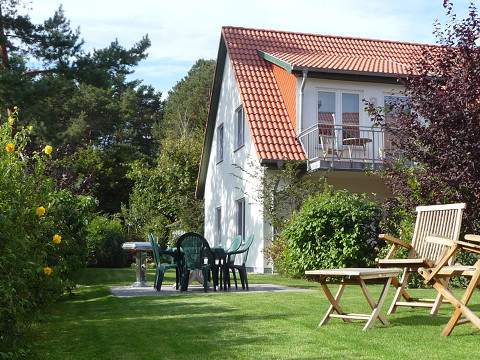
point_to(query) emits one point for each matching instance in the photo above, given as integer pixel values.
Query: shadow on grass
(183, 326)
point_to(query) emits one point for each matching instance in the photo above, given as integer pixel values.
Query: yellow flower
(11, 120)
(48, 149)
(57, 239)
(40, 211)
(10, 148)
(47, 270)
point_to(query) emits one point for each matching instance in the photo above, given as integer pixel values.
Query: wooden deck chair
(440, 220)
(439, 275)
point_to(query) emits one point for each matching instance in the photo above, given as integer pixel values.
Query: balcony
(347, 147)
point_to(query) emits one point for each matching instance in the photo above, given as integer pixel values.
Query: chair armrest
(236, 252)
(472, 238)
(392, 239)
(436, 239)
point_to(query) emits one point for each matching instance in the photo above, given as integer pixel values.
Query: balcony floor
(352, 165)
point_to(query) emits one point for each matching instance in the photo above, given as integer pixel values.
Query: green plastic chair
(242, 269)
(234, 246)
(194, 254)
(160, 268)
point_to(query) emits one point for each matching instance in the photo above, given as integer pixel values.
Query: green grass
(95, 325)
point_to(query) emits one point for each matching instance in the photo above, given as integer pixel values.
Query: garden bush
(105, 237)
(42, 233)
(332, 229)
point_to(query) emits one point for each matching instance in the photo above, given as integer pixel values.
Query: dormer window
(239, 128)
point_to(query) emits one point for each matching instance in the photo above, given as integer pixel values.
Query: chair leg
(246, 279)
(398, 293)
(177, 278)
(156, 278)
(184, 280)
(438, 301)
(206, 275)
(161, 274)
(235, 278)
(242, 277)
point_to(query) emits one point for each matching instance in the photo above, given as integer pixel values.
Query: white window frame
(338, 103)
(218, 226)
(240, 218)
(239, 127)
(220, 143)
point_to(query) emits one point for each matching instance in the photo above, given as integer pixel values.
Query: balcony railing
(345, 146)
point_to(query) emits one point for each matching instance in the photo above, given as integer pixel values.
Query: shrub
(332, 229)
(105, 237)
(41, 233)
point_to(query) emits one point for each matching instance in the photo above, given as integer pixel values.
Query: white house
(291, 96)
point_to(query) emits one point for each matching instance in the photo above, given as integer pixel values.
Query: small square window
(239, 128)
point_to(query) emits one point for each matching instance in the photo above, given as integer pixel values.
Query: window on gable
(218, 226)
(240, 218)
(220, 143)
(239, 128)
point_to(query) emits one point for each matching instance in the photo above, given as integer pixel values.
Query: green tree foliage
(105, 237)
(333, 229)
(186, 109)
(77, 99)
(163, 197)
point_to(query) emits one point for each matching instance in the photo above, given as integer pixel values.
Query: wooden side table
(355, 276)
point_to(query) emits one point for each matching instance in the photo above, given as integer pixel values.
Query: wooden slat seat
(440, 223)
(411, 263)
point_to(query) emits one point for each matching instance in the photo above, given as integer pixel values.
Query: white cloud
(182, 31)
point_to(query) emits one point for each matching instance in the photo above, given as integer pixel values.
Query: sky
(182, 31)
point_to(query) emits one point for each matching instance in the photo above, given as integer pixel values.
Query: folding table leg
(372, 302)
(334, 303)
(376, 310)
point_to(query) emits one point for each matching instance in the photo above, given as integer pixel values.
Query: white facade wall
(226, 182)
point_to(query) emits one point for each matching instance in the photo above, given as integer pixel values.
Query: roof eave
(212, 116)
(300, 69)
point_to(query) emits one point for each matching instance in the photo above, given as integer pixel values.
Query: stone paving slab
(169, 290)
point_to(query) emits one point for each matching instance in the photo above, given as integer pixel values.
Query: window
(240, 215)
(350, 115)
(218, 226)
(347, 115)
(220, 143)
(326, 112)
(239, 128)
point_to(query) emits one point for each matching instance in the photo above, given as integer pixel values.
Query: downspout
(300, 106)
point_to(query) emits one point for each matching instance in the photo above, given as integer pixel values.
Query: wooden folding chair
(440, 220)
(439, 275)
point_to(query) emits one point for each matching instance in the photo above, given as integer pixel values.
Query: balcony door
(339, 113)
(350, 115)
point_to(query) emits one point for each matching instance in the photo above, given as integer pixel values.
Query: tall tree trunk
(3, 42)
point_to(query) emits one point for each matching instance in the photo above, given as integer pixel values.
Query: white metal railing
(346, 143)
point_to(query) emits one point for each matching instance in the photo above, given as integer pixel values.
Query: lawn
(95, 325)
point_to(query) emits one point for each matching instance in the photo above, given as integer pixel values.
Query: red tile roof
(272, 131)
